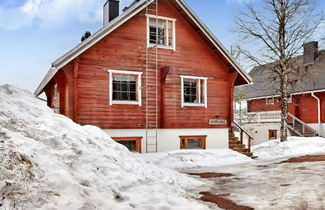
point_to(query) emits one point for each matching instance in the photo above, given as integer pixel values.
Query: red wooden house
(306, 102)
(154, 78)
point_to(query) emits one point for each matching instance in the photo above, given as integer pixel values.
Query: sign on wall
(217, 122)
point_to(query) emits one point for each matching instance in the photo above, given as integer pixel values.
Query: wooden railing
(261, 117)
(300, 127)
(242, 133)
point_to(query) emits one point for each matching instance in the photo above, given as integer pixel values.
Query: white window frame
(205, 79)
(149, 45)
(267, 102)
(139, 94)
(290, 99)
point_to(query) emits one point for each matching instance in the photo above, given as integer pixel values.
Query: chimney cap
(111, 11)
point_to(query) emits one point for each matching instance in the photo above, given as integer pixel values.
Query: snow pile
(295, 146)
(183, 159)
(49, 162)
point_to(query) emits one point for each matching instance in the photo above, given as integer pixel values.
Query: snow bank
(49, 162)
(295, 146)
(197, 158)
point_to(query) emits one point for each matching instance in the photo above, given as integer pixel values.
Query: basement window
(193, 142)
(194, 91)
(273, 134)
(125, 87)
(161, 32)
(132, 143)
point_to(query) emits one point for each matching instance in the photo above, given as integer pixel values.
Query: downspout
(319, 113)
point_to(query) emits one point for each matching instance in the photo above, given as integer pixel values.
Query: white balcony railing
(260, 117)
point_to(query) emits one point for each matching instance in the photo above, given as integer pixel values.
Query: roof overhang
(292, 94)
(132, 11)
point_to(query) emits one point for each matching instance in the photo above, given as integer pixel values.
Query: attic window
(161, 32)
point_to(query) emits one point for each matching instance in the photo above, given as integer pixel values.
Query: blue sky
(34, 33)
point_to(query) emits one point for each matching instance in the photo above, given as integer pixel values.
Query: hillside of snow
(49, 162)
(294, 146)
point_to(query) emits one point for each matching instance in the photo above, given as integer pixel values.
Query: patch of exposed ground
(211, 175)
(307, 158)
(222, 202)
(285, 185)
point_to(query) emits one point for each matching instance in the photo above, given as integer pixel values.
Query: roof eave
(83, 46)
(214, 40)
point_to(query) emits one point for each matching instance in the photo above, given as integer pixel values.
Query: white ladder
(152, 73)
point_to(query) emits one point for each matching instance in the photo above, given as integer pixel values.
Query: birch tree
(275, 33)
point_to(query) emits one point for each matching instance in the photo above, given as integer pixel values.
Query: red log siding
(304, 106)
(124, 49)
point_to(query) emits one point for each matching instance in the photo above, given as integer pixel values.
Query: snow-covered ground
(266, 183)
(183, 160)
(49, 162)
(295, 146)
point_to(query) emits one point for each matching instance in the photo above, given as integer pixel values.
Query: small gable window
(161, 32)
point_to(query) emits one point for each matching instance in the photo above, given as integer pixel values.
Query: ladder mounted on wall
(151, 83)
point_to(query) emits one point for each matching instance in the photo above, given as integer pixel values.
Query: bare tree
(274, 34)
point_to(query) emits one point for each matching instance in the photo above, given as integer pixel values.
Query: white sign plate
(217, 122)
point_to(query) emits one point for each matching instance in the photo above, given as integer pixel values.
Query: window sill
(162, 47)
(194, 105)
(126, 103)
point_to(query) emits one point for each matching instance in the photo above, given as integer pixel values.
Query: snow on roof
(135, 8)
(49, 162)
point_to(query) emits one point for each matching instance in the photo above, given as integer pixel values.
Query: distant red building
(306, 102)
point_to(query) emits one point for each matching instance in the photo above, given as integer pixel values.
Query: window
(125, 87)
(194, 91)
(290, 99)
(273, 134)
(270, 101)
(132, 143)
(193, 142)
(161, 32)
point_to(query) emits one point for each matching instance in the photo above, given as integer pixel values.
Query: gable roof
(313, 81)
(135, 8)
